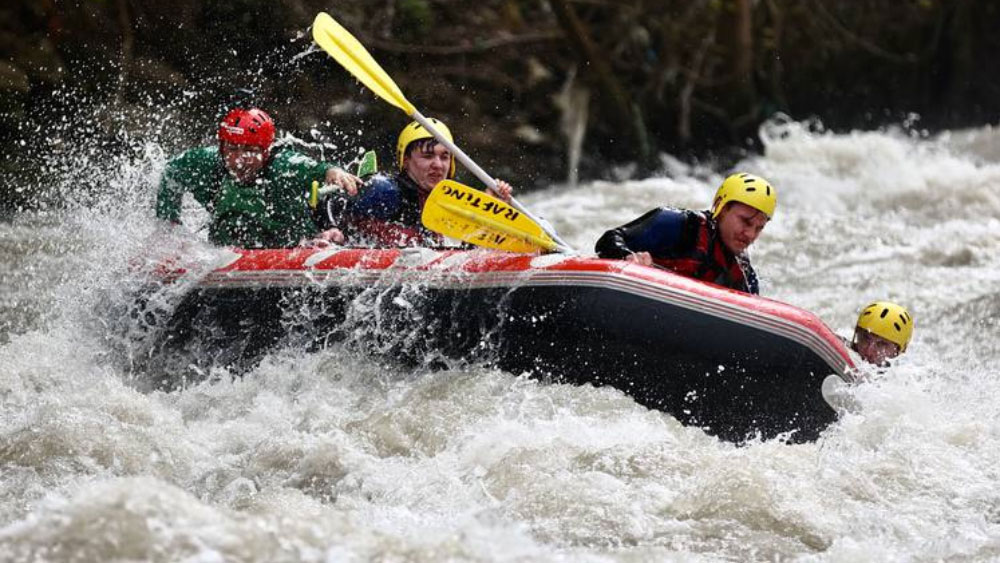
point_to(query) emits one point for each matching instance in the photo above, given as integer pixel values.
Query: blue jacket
(386, 212)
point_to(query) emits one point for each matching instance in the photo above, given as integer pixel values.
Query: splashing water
(333, 455)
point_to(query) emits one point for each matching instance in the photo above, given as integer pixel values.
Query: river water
(331, 456)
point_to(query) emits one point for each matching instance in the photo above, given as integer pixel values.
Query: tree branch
(865, 44)
(477, 46)
(615, 97)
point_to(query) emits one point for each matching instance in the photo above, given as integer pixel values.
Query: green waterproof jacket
(272, 212)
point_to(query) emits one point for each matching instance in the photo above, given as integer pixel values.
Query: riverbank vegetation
(537, 90)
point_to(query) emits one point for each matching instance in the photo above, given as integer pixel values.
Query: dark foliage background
(518, 80)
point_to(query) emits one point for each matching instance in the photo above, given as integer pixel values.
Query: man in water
(882, 332)
(387, 211)
(706, 245)
(257, 196)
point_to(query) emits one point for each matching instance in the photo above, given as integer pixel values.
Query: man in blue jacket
(387, 210)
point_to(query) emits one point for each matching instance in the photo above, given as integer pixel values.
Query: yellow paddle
(351, 54)
(458, 211)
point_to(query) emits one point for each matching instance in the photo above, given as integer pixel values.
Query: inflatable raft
(734, 364)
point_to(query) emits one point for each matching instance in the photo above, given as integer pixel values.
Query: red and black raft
(737, 365)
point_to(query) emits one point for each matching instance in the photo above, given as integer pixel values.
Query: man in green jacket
(257, 198)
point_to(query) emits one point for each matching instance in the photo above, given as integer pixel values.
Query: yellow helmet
(414, 132)
(888, 320)
(746, 188)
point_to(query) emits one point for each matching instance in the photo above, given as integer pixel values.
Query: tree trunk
(128, 42)
(736, 31)
(614, 96)
(961, 37)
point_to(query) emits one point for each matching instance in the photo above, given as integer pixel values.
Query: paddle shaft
(482, 175)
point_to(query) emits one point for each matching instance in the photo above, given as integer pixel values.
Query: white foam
(330, 454)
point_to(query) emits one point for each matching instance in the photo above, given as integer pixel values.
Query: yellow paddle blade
(351, 55)
(458, 211)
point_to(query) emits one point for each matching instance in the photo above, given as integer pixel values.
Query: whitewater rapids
(331, 456)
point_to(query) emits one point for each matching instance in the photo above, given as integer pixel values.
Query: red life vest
(707, 259)
(388, 235)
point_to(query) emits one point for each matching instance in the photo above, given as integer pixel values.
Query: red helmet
(247, 127)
